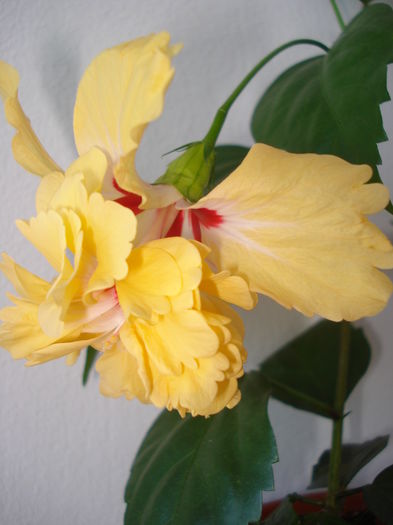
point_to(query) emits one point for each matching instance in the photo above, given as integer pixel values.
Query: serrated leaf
(331, 103)
(303, 372)
(198, 470)
(353, 458)
(91, 356)
(228, 158)
(379, 496)
(283, 515)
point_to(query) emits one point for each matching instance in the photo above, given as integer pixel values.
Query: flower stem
(341, 390)
(336, 10)
(219, 119)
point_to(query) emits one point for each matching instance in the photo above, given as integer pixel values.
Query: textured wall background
(65, 452)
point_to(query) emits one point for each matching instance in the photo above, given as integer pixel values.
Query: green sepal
(190, 173)
(354, 456)
(303, 373)
(205, 470)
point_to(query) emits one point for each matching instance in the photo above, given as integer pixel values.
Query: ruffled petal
(27, 284)
(294, 227)
(119, 374)
(111, 231)
(231, 288)
(153, 276)
(122, 91)
(27, 149)
(47, 233)
(83, 177)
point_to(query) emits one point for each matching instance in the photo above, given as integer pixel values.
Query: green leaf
(379, 496)
(303, 372)
(330, 104)
(91, 356)
(198, 471)
(228, 158)
(354, 458)
(283, 515)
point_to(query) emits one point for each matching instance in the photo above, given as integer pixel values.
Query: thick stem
(219, 119)
(341, 390)
(339, 17)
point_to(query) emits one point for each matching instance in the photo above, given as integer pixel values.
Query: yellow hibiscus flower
(156, 311)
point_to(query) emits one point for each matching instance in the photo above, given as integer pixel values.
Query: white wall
(65, 451)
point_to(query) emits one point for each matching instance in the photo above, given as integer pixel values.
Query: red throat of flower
(128, 200)
(198, 218)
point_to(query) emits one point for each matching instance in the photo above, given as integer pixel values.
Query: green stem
(341, 390)
(336, 10)
(222, 112)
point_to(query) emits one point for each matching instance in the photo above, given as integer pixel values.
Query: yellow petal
(111, 230)
(187, 256)
(93, 165)
(118, 371)
(22, 336)
(25, 283)
(83, 177)
(47, 233)
(153, 276)
(48, 187)
(121, 91)
(231, 288)
(71, 193)
(294, 227)
(178, 338)
(26, 147)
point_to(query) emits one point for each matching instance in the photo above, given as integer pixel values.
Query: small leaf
(354, 458)
(198, 470)
(303, 373)
(283, 515)
(330, 104)
(379, 496)
(91, 356)
(228, 158)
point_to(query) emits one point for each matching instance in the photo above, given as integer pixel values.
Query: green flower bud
(190, 173)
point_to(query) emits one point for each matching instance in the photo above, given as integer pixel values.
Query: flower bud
(190, 173)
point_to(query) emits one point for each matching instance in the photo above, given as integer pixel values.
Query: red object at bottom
(353, 503)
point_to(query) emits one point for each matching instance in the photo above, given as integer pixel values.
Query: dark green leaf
(198, 471)
(354, 458)
(330, 104)
(303, 373)
(91, 356)
(283, 515)
(379, 496)
(228, 158)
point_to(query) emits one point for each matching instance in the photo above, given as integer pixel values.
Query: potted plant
(146, 273)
